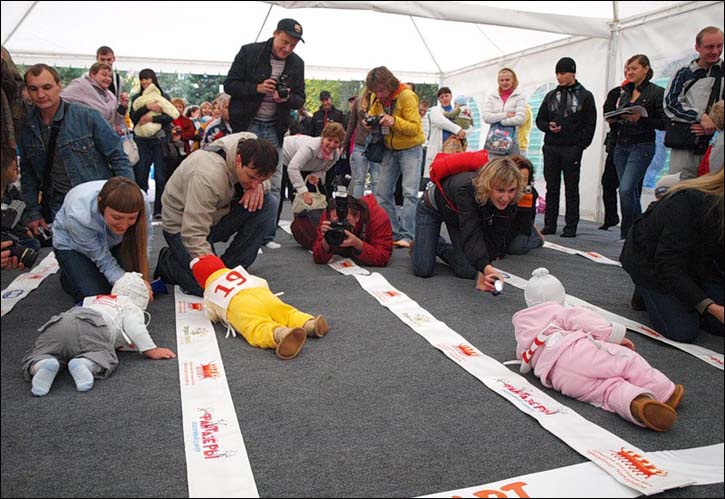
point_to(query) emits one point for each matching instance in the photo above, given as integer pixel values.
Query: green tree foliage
(195, 89)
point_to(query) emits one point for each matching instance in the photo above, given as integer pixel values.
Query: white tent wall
(419, 41)
(667, 38)
(536, 70)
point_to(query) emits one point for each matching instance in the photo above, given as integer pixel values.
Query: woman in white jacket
(440, 126)
(505, 108)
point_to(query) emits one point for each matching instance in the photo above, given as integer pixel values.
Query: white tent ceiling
(419, 41)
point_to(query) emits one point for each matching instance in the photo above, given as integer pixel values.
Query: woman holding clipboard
(636, 134)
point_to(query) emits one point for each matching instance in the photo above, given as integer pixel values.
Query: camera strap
(49, 157)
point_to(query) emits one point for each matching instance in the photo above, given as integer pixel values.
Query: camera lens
(335, 236)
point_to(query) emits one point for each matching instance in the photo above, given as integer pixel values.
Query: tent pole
(22, 19)
(269, 11)
(440, 71)
(610, 77)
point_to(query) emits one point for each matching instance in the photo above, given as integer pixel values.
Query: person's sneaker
(317, 327)
(568, 233)
(157, 216)
(676, 397)
(273, 245)
(289, 342)
(653, 414)
(637, 303)
(401, 244)
(548, 230)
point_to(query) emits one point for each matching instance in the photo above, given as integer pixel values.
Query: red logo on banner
(651, 332)
(516, 487)
(467, 350)
(638, 464)
(207, 371)
(209, 435)
(528, 399)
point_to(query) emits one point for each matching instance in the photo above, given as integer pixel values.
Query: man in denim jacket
(86, 148)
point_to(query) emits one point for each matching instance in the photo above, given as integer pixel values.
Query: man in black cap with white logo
(567, 116)
(266, 81)
(326, 114)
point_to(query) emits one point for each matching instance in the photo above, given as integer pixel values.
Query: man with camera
(266, 81)
(354, 228)
(402, 130)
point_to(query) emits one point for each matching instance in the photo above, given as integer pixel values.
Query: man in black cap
(266, 81)
(567, 116)
(326, 114)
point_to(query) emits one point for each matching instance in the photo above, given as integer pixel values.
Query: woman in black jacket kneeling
(675, 256)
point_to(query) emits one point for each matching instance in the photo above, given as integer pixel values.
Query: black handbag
(375, 149)
(679, 136)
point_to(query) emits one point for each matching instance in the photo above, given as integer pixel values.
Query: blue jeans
(267, 130)
(522, 244)
(408, 164)
(429, 244)
(79, 275)
(248, 229)
(359, 168)
(631, 162)
(151, 150)
(671, 318)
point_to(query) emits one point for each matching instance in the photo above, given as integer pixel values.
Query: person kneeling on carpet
(244, 303)
(86, 337)
(582, 355)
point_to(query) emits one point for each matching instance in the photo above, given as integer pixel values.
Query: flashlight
(497, 286)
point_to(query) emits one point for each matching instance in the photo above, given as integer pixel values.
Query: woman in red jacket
(370, 242)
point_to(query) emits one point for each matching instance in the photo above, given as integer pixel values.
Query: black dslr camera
(336, 235)
(373, 121)
(10, 217)
(282, 88)
(26, 256)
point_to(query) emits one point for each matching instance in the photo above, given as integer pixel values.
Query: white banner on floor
(27, 282)
(217, 464)
(626, 463)
(591, 255)
(713, 358)
(704, 465)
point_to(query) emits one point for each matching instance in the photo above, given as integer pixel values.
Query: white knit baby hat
(132, 284)
(544, 287)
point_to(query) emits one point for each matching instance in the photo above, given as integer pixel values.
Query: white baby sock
(44, 372)
(82, 370)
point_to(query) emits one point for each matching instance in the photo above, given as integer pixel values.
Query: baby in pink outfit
(584, 356)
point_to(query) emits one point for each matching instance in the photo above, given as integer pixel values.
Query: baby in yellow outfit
(245, 303)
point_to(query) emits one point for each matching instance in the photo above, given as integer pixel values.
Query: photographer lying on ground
(354, 228)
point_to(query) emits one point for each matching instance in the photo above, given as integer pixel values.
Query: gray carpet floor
(371, 410)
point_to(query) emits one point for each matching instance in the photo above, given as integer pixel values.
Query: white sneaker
(273, 245)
